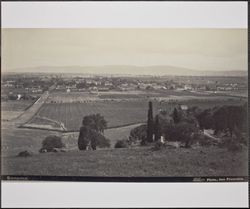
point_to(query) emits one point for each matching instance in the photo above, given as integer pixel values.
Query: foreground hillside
(139, 161)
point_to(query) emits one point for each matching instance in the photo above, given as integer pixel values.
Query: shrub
(202, 139)
(158, 146)
(122, 144)
(231, 144)
(51, 142)
(24, 154)
(205, 141)
(239, 136)
(234, 146)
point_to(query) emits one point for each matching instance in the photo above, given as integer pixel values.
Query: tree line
(188, 125)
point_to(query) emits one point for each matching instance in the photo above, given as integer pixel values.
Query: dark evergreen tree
(150, 123)
(176, 116)
(157, 130)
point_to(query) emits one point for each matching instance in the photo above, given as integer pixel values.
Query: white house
(184, 107)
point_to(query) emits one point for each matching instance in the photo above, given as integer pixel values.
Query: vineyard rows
(116, 113)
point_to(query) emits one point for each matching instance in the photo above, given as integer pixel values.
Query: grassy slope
(116, 134)
(15, 140)
(140, 161)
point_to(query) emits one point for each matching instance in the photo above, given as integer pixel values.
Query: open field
(81, 97)
(141, 161)
(16, 105)
(63, 97)
(13, 109)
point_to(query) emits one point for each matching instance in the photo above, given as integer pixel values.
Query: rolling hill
(123, 69)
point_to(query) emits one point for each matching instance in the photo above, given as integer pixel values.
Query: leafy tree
(205, 119)
(194, 110)
(139, 133)
(98, 140)
(95, 122)
(164, 119)
(91, 132)
(150, 123)
(228, 118)
(90, 137)
(183, 132)
(157, 130)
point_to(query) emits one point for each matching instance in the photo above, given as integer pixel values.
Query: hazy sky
(198, 49)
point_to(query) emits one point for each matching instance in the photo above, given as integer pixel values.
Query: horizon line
(123, 65)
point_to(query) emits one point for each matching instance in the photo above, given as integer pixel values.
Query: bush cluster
(50, 143)
(122, 144)
(231, 144)
(158, 146)
(24, 154)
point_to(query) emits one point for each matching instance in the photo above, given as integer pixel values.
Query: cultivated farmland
(67, 114)
(116, 113)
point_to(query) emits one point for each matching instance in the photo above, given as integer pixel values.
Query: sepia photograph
(124, 102)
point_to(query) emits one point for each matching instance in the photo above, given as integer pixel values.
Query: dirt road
(28, 114)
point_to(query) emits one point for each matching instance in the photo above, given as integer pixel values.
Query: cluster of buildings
(119, 84)
(22, 88)
(211, 87)
(20, 85)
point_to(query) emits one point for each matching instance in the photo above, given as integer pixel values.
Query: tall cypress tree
(157, 128)
(150, 123)
(176, 117)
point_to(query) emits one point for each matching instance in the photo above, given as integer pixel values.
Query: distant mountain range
(127, 70)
